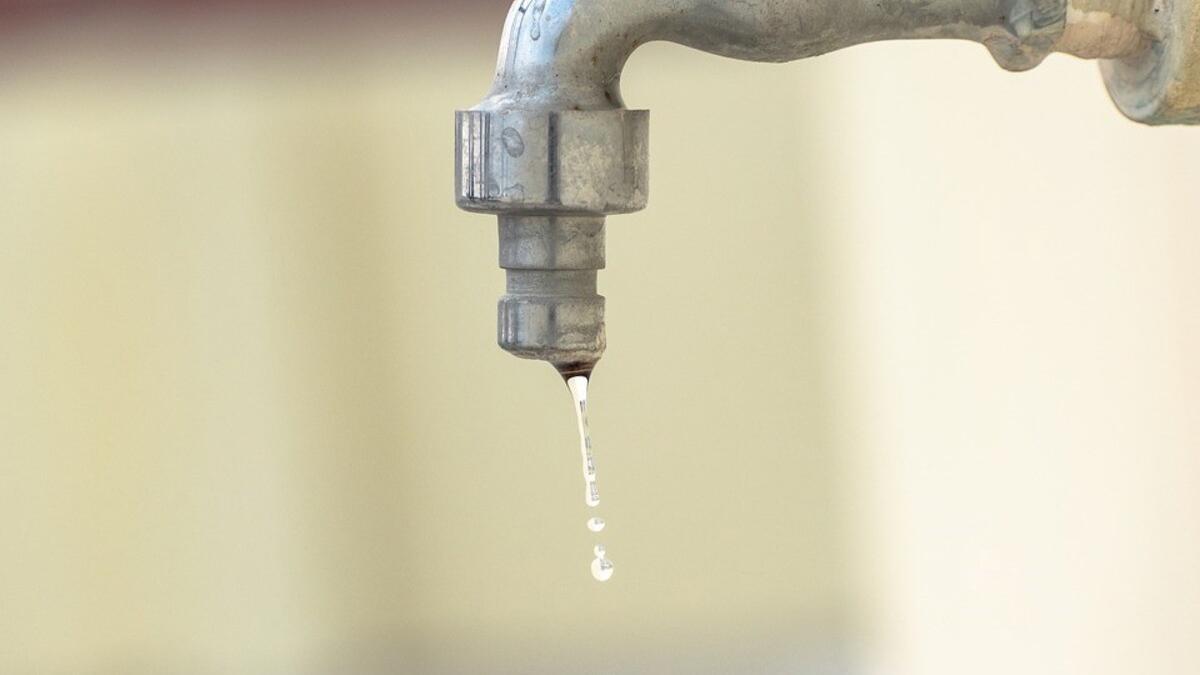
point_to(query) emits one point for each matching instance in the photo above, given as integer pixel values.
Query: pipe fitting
(551, 311)
(552, 177)
(560, 162)
(1159, 84)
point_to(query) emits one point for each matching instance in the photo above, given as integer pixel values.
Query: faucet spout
(552, 311)
(569, 54)
(553, 151)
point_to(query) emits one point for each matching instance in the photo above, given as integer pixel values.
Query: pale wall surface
(1020, 367)
(929, 405)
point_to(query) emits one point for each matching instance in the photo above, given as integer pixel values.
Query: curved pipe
(569, 54)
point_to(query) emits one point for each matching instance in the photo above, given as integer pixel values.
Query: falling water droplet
(595, 524)
(602, 569)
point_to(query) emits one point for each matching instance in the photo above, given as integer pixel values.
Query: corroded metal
(1160, 84)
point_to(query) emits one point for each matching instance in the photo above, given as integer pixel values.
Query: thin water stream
(602, 567)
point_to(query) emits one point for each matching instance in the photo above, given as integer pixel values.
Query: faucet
(552, 150)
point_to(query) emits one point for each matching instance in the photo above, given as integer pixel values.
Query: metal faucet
(553, 151)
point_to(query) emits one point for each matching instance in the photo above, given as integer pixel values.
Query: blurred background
(931, 403)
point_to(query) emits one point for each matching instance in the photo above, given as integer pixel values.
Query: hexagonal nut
(560, 162)
(557, 329)
(1161, 85)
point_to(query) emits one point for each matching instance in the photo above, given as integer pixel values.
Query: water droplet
(600, 551)
(602, 569)
(595, 524)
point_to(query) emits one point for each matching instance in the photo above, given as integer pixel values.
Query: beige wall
(917, 396)
(1020, 381)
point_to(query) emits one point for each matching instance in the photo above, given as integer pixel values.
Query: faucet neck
(551, 310)
(569, 54)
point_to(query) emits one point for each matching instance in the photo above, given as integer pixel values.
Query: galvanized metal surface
(553, 151)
